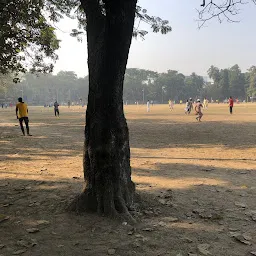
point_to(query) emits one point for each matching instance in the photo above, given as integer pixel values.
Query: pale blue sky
(185, 49)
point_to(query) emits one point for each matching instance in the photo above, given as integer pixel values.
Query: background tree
(236, 82)
(224, 83)
(214, 74)
(193, 86)
(251, 90)
(138, 85)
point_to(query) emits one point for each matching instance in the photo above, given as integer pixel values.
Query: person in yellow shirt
(22, 115)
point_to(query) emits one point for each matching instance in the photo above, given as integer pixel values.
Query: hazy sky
(185, 49)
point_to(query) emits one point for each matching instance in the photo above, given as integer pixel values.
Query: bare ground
(197, 183)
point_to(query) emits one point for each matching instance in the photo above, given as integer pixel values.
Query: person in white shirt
(148, 106)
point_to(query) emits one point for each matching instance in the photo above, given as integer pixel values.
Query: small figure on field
(56, 108)
(190, 105)
(187, 107)
(198, 109)
(148, 106)
(22, 115)
(205, 103)
(231, 104)
(69, 104)
(171, 104)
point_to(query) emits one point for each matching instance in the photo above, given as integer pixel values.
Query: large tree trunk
(109, 189)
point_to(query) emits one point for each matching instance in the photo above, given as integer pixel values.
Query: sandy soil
(197, 182)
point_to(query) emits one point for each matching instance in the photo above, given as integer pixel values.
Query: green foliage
(27, 37)
(44, 89)
(156, 24)
(40, 89)
(236, 81)
(227, 82)
(251, 76)
(214, 74)
(160, 87)
(6, 82)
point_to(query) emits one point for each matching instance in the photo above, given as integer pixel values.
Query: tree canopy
(28, 33)
(139, 85)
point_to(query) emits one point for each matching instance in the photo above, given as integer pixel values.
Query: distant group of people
(199, 106)
(22, 110)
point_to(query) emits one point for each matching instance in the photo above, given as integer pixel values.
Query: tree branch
(224, 11)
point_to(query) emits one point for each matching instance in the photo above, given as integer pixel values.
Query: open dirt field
(197, 182)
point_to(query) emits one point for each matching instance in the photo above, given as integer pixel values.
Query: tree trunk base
(111, 206)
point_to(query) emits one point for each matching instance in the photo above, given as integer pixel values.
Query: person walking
(56, 108)
(190, 105)
(187, 107)
(148, 106)
(170, 104)
(22, 115)
(231, 105)
(198, 109)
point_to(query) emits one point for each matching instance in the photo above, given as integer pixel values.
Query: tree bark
(109, 189)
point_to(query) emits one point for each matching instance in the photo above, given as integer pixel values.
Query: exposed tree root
(106, 204)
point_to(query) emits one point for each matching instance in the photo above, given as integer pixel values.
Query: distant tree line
(140, 85)
(231, 81)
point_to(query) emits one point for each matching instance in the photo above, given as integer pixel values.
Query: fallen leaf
(235, 233)
(111, 251)
(204, 249)
(146, 212)
(208, 169)
(42, 222)
(188, 240)
(162, 224)
(240, 238)
(19, 252)
(166, 194)
(32, 230)
(233, 229)
(162, 201)
(198, 211)
(171, 219)
(3, 218)
(247, 237)
(240, 205)
(23, 243)
(253, 253)
(2, 246)
(148, 229)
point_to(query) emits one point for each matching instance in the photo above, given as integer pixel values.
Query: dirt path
(197, 182)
